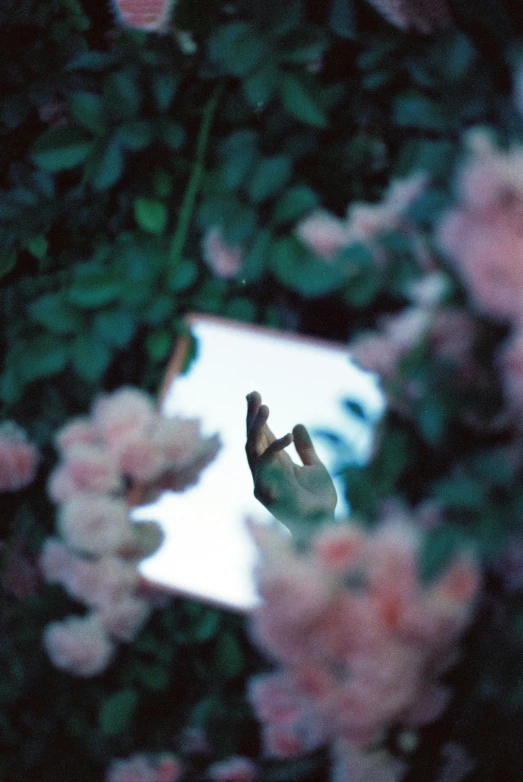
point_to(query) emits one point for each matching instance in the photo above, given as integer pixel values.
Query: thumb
(304, 446)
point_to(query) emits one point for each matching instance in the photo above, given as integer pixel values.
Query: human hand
(290, 491)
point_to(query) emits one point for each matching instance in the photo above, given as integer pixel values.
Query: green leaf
(87, 110)
(151, 215)
(171, 133)
(60, 148)
(8, 262)
(164, 86)
(117, 711)
(183, 276)
(239, 223)
(53, 311)
(299, 102)
(135, 134)
(237, 47)
(294, 203)
(460, 493)
(294, 266)
(269, 176)
(158, 345)
(229, 656)
(115, 328)
(414, 110)
(302, 46)
(94, 287)
(43, 356)
(257, 256)
(105, 165)
(154, 677)
(122, 97)
(90, 357)
(38, 246)
(260, 86)
(342, 20)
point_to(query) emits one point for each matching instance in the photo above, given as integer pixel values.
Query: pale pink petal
(79, 645)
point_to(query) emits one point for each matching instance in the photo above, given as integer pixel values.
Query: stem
(189, 198)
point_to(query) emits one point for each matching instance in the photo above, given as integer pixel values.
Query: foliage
(120, 151)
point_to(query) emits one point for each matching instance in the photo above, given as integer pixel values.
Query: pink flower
(55, 560)
(100, 582)
(180, 476)
(124, 619)
(234, 769)
(79, 431)
(324, 234)
(453, 334)
(425, 16)
(96, 524)
(145, 768)
(352, 764)
(150, 15)
(79, 645)
(123, 414)
(339, 546)
(223, 259)
(18, 458)
(148, 536)
(141, 459)
(87, 468)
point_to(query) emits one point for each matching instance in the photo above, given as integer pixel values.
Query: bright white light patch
(207, 552)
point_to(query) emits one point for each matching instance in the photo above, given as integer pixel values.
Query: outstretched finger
(259, 436)
(253, 405)
(304, 446)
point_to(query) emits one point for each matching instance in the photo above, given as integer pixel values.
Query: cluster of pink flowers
(145, 768)
(483, 235)
(124, 442)
(18, 458)
(425, 16)
(326, 235)
(360, 641)
(150, 15)
(223, 259)
(381, 351)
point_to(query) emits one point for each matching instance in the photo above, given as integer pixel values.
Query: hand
(291, 492)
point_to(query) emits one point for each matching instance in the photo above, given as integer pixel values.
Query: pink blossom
(18, 458)
(224, 260)
(79, 645)
(78, 431)
(366, 221)
(100, 582)
(124, 619)
(86, 468)
(150, 15)
(55, 560)
(180, 476)
(97, 524)
(453, 334)
(123, 414)
(339, 546)
(323, 233)
(141, 459)
(236, 769)
(145, 768)
(425, 16)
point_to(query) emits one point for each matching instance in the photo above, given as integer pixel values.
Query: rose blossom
(18, 458)
(79, 645)
(323, 233)
(55, 560)
(97, 524)
(223, 259)
(145, 768)
(125, 618)
(86, 468)
(123, 414)
(234, 769)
